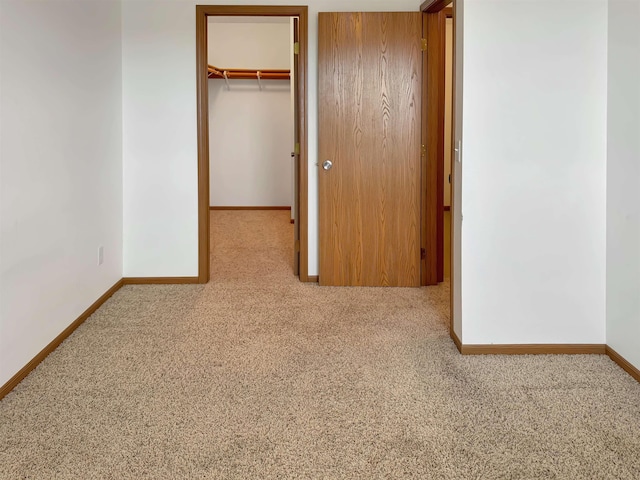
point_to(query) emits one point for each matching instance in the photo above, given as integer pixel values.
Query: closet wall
(250, 129)
(623, 180)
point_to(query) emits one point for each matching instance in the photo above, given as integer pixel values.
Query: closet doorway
(250, 177)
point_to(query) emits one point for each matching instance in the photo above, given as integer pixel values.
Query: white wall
(249, 42)
(534, 171)
(160, 148)
(456, 167)
(250, 129)
(160, 197)
(623, 180)
(61, 168)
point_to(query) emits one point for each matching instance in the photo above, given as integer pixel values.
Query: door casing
(202, 12)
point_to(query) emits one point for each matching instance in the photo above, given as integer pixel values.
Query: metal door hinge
(296, 48)
(423, 254)
(296, 149)
(424, 45)
(423, 149)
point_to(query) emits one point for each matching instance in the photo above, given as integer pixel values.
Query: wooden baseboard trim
(249, 208)
(623, 363)
(159, 280)
(534, 349)
(456, 340)
(310, 279)
(35, 361)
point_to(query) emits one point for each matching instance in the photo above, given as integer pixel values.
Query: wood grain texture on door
(369, 81)
(433, 99)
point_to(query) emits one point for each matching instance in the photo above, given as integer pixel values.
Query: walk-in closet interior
(250, 111)
(251, 123)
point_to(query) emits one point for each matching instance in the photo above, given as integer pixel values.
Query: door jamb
(202, 12)
(436, 8)
(433, 104)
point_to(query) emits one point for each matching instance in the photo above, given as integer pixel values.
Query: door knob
(327, 164)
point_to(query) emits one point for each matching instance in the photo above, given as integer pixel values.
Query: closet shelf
(235, 73)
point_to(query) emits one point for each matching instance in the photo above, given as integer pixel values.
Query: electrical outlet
(100, 255)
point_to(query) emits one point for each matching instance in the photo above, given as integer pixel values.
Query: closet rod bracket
(226, 79)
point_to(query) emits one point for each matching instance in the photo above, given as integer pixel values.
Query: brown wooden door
(369, 80)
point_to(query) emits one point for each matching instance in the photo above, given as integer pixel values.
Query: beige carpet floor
(257, 376)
